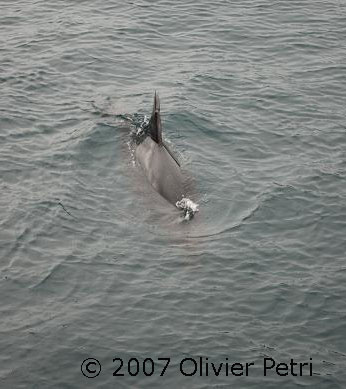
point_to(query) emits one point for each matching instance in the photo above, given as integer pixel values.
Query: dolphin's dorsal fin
(155, 121)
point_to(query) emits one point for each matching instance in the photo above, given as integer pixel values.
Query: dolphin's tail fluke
(155, 121)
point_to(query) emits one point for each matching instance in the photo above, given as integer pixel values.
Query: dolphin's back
(162, 167)
(162, 170)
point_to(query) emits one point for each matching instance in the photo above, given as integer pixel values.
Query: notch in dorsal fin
(155, 121)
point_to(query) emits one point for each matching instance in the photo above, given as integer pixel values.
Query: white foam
(188, 206)
(141, 128)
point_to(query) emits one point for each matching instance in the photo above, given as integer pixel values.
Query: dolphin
(158, 162)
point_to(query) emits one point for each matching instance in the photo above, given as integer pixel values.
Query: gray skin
(158, 162)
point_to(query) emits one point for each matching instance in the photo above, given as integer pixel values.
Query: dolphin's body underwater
(158, 162)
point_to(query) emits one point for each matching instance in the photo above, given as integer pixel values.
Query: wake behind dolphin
(161, 166)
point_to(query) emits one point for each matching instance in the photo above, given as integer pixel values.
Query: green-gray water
(94, 264)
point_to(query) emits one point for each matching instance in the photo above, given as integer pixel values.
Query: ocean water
(94, 264)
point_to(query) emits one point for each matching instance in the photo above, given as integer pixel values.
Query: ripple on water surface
(95, 264)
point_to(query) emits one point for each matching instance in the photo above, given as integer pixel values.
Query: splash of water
(137, 134)
(188, 206)
(140, 130)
